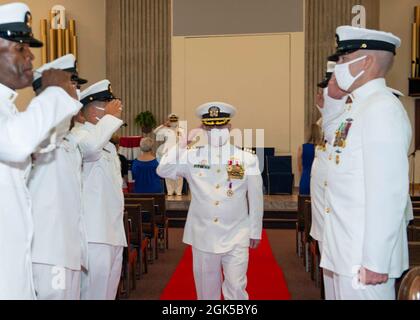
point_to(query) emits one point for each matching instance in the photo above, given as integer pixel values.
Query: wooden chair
(415, 222)
(413, 233)
(139, 242)
(307, 216)
(416, 212)
(416, 204)
(414, 254)
(150, 229)
(162, 220)
(410, 286)
(300, 225)
(128, 274)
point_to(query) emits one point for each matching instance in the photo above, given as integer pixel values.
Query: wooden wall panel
(322, 17)
(139, 57)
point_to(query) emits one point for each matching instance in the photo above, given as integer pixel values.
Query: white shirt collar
(369, 88)
(8, 94)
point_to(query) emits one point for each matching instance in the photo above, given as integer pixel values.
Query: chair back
(136, 223)
(410, 286)
(301, 213)
(414, 253)
(279, 164)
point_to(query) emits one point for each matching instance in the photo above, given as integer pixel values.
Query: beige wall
(278, 106)
(221, 17)
(262, 75)
(90, 25)
(396, 17)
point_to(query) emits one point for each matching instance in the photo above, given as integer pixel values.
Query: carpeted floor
(282, 242)
(265, 278)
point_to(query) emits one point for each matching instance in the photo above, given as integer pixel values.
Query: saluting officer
(170, 133)
(365, 225)
(20, 135)
(55, 183)
(225, 216)
(103, 199)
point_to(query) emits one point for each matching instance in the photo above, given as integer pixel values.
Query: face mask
(344, 77)
(78, 94)
(328, 101)
(219, 137)
(174, 124)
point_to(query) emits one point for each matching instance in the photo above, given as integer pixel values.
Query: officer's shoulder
(249, 154)
(384, 104)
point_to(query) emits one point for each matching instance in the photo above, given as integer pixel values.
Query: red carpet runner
(265, 278)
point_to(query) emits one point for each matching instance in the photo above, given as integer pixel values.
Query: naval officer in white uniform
(20, 135)
(103, 199)
(365, 226)
(331, 103)
(55, 185)
(226, 211)
(170, 133)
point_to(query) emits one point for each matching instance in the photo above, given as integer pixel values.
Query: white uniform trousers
(328, 280)
(210, 269)
(174, 186)
(101, 281)
(56, 283)
(346, 288)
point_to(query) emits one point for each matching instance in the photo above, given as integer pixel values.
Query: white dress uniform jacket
(56, 189)
(20, 135)
(217, 223)
(331, 116)
(103, 198)
(368, 182)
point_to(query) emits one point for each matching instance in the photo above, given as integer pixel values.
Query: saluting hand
(334, 90)
(320, 99)
(114, 108)
(59, 78)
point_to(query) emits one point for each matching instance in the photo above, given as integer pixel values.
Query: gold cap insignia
(28, 20)
(214, 112)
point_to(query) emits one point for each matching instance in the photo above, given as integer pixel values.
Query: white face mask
(343, 75)
(219, 137)
(174, 124)
(328, 101)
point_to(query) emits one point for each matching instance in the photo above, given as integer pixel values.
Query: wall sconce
(58, 36)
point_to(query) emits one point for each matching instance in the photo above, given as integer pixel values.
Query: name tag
(201, 166)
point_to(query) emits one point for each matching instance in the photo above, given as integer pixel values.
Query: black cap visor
(21, 33)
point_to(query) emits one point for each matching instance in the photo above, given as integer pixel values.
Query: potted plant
(146, 121)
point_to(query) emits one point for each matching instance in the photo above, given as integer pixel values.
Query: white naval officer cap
(100, 91)
(330, 70)
(173, 117)
(215, 113)
(16, 24)
(351, 39)
(66, 63)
